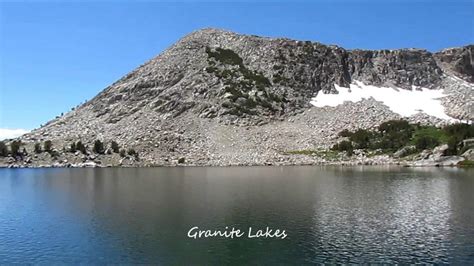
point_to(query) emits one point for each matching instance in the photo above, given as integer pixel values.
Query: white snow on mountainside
(401, 101)
(7, 133)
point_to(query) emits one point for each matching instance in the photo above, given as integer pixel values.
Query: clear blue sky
(56, 55)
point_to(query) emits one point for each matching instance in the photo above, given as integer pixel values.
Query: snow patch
(7, 133)
(401, 101)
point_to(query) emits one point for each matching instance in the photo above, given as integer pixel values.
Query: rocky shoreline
(427, 158)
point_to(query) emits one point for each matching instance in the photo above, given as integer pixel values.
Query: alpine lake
(237, 215)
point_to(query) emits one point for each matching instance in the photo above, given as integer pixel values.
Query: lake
(329, 214)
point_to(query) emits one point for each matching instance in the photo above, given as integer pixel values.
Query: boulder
(11, 160)
(439, 151)
(425, 154)
(468, 143)
(404, 151)
(442, 161)
(469, 154)
(88, 164)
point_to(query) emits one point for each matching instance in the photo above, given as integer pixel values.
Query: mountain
(219, 98)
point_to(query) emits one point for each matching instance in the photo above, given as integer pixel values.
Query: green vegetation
(326, 154)
(239, 81)
(98, 147)
(396, 134)
(14, 150)
(226, 56)
(428, 137)
(38, 148)
(133, 153)
(361, 139)
(426, 142)
(466, 163)
(15, 147)
(345, 133)
(73, 147)
(115, 147)
(344, 145)
(456, 133)
(47, 146)
(80, 147)
(392, 135)
(302, 152)
(3, 149)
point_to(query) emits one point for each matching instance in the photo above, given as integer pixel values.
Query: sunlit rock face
(219, 96)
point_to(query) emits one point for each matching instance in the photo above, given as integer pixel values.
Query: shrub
(466, 163)
(259, 79)
(394, 135)
(37, 148)
(115, 147)
(54, 154)
(460, 131)
(225, 56)
(426, 142)
(456, 133)
(15, 147)
(345, 133)
(344, 146)
(395, 126)
(47, 146)
(431, 131)
(361, 138)
(73, 147)
(122, 153)
(80, 147)
(452, 146)
(131, 152)
(98, 147)
(3, 149)
(428, 137)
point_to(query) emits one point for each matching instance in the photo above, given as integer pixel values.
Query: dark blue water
(347, 215)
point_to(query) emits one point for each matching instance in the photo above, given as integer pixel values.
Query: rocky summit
(221, 98)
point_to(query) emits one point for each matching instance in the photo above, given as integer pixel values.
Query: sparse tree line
(396, 134)
(16, 148)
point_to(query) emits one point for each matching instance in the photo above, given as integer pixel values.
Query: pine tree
(115, 147)
(81, 147)
(47, 146)
(3, 149)
(98, 147)
(73, 147)
(38, 148)
(15, 147)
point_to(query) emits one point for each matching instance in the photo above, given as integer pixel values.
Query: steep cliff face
(402, 68)
(458, 61)
(213, 78)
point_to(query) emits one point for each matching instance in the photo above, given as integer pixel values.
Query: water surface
(142, 215)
